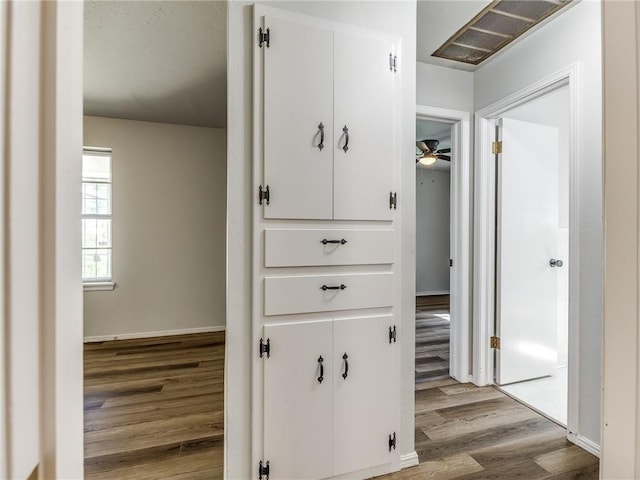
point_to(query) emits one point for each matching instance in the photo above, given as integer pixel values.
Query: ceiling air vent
(499, 24)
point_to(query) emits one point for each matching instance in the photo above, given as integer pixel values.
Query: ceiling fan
(429, 152)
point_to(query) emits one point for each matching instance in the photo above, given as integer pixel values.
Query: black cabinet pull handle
(321, 377)
(346, 366)
(324, 241)
(345, 130)
(337, 287)
(321, 144)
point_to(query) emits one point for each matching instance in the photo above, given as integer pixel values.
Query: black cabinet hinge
(451, 262)
(263, 195)
(265, 347)
(392, 334)
(263, 470)
(393, 200)
(392, 441)
(393, 63)
(264, 37)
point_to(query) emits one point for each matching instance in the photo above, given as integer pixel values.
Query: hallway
(466, 432)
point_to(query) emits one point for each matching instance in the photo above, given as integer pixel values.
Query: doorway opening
(433, 251)
(446, 296)
(532, 251)
(153, 217)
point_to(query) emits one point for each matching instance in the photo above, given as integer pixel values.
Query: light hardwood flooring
(154, 408)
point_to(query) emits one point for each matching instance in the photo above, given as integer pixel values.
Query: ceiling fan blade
(444, 150)
(423, 146)
(444, 157)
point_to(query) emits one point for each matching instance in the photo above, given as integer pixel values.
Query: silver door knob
(556, 263)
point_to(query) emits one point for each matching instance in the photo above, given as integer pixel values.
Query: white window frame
(100, 283)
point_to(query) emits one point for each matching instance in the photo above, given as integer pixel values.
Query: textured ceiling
(158, 61)
(165, 61)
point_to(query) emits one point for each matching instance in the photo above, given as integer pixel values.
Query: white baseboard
(163, 333)
(409, 460)
(437, 292)
(584, 443)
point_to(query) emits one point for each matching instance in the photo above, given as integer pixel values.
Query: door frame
(460, 221)
(484, 232)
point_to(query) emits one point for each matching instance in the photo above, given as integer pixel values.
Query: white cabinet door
(364, 104)
(297, 406)
(298, 97)
(365, 407)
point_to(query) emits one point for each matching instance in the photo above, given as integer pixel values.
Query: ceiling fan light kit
(499, 24)
(429, 152)
(427, 160)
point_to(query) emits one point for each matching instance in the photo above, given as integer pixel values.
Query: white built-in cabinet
(327, 411)
(325, 235)
(328, 123)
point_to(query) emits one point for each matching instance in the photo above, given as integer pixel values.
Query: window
(96, 219)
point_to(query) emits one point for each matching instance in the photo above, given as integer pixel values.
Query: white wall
(396, 18)
(169, 200)
(432, 230)
(22, 240)
(444, 87)
(571, 37)
(621, 406)
(42, 322)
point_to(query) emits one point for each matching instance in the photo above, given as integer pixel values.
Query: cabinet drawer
(307, 294)
(313, 247)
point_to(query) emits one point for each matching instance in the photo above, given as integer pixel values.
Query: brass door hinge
(495, 342)
(496, 147)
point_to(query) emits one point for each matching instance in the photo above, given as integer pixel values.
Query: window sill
(98, 286)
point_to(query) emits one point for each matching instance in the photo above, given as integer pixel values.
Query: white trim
(460, 291)
(4, 37)
(98, 286)
(589, 445)
(409, 460)
(61, 393)
(435, 292)
(484, 237)
(162, 333)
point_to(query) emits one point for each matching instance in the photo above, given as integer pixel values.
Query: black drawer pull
(324, 241)
(346, 366)
(321, 144)
(321, 377)
(345, 130)
(337, 287)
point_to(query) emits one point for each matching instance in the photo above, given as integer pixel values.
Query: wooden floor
(466, 432)
(154, 408)
(432, 344)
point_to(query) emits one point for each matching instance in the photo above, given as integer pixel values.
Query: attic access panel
(499, 24)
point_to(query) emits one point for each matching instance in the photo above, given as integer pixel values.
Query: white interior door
(298, 97)
(365, 408)
(527, 238)
(297, 406)
(364, 105)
